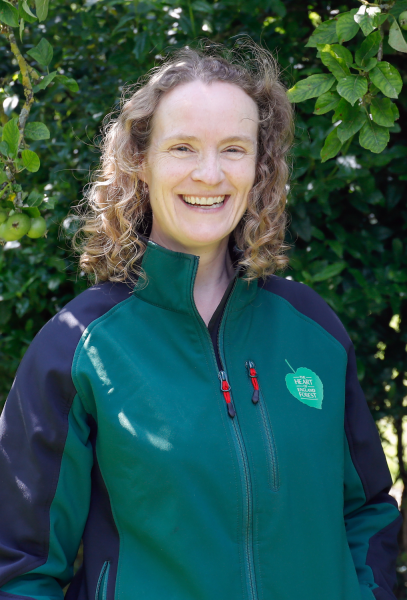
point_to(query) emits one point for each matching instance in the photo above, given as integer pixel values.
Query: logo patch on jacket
(305, 385)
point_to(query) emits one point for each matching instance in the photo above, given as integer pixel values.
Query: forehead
(217, 109)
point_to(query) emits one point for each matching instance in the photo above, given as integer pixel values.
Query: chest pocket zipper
(268, 436)
(101, 588)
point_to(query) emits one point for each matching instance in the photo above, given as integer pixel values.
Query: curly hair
(118, 215)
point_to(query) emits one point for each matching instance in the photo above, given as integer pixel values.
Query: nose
(208, 169)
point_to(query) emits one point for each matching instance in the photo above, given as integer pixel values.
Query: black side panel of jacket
(33, 430)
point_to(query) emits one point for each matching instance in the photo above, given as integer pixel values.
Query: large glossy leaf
(36, 131)
(346, 27)
(25, 12)
(351, 123)
(335, 64)
(396, 38)
(324, 34)
(11, 136)
(387, 79)
(382, 111)
(311, 87)
(44, 82)
(368, 48)
(342, 52)
(352, 87)
(41, 6)
(331, 147)
(341, 110)
(42, 52)
(31, 160)
(326, 102)
(8, 14)
(373, 137)
(330, 271)
(67, 82)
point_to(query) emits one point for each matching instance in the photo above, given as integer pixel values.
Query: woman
(195, 419)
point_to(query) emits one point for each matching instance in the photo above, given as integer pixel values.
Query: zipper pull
(251, 370)
(225, 389)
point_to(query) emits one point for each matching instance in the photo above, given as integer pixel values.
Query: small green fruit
(403, 20)
(3, 216)
(2, 231)
(15, 227)
(38, 227)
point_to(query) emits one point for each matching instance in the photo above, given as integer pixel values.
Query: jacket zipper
(101, 588)
(239, 444)
(244, 463)
(271, 450)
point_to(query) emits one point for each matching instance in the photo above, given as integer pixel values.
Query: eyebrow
(228, 140)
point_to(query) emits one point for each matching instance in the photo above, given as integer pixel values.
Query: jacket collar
(170, 279)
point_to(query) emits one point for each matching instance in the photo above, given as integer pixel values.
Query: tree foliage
(347, 209)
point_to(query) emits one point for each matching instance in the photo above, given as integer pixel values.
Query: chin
(205, 237)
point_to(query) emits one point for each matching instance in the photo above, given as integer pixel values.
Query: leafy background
(348, 214)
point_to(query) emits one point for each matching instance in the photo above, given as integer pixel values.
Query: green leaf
(68, 82)
(42, 52)
(34, 199)
(341, 111)
(353, 122)
(379, 19)
(346, 27)
(352, 88)
(330, 271)
(373, 137)
(369, 65)
(3, 177)
(202, 6)
(25, 12)
(365, 18)
(11, 135)
(396, 38)
(32, 212)
(336, 65)
(31, 160)
(278, 7)
(41, 6)
(36, 131)
(44, 82)
(8, 14)
(140, 45)
(331, 147)
(387, 79)
(4, 148)
(382, 111)
(323, 34)
(326, 102)
(21, 28)
(342, 52)
(311, 87)
(368, 48)
(396, 114)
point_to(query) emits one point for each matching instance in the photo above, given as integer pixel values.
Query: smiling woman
(192, 415)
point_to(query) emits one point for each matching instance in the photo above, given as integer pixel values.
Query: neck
(214, 272)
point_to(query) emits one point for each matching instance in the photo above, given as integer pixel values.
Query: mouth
(205, 202)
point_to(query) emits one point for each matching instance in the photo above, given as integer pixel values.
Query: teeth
(204, 200)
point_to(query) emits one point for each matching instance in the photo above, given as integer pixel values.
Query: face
(200, 165)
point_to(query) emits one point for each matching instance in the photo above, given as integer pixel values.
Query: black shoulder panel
(309, 303)
(34, 426)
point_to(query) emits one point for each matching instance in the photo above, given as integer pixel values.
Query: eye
(234, 151)
(181, 149)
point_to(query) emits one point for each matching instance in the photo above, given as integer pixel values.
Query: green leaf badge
(306, 386)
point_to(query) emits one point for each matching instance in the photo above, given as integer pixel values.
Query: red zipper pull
(225, 388)
(251, 370)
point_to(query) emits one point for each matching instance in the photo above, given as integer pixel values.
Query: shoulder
(54, 346)
(309, 303)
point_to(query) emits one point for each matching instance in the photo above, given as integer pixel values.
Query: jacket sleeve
(372, 518)
(45, 471)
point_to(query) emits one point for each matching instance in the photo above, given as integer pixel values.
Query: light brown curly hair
(118, 210)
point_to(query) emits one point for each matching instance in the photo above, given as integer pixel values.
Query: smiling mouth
(205, 201)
